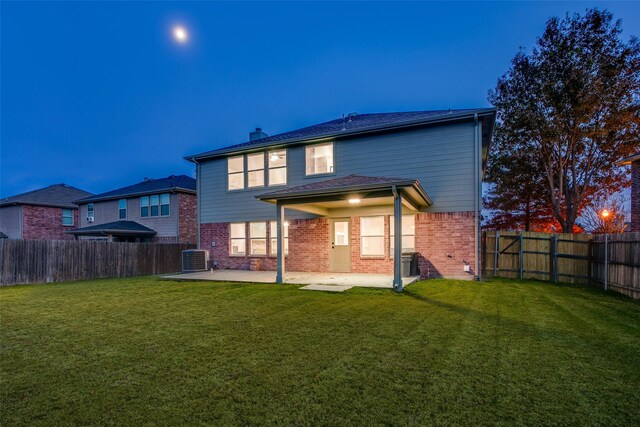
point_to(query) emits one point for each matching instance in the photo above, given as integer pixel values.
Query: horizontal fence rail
(45, 261)
(605, 261)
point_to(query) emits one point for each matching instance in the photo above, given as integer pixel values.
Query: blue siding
(440, 157)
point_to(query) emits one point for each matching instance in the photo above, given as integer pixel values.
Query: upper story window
(154, 205)
(408, 234)
(90, 212)
(372, 236)
(319, 158)
(67, 216)
(235, 169)
(277, 167)
(122, 208)
(255, 170)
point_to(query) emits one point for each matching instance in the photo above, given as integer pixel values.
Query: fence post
(606, 262)
(590, 261)
(521, 256)
(555, 258)
(496, 254)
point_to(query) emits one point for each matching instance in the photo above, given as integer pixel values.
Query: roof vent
(147, 179)
(352, 116)
(257, 134)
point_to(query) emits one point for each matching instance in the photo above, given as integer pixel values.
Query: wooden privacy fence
(606, 261)
(44, 261)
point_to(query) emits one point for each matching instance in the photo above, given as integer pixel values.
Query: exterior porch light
(274, 157)
(354, 200)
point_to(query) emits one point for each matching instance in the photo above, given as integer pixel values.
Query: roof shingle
(173, 182)
(58, 195)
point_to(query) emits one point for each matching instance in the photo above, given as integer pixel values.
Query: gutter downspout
(478, 193)
(198, 204)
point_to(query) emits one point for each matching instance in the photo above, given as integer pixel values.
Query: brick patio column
(280, 242)
(397, 240)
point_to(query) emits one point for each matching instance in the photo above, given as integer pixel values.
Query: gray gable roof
(178, 183)
(350, 125)
(336, 184)
(58, 195)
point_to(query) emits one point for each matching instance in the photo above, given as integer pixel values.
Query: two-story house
(154, 210)
(43, 214)
(350, 195)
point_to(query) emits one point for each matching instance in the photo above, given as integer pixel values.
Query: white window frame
(366, 234)
(91, 213)
(120, 209)
(168, 204)
(241, 173)
(259, 169)
(253, 238)
(273, 237)
(332, 167)
(274, 168)
(242, 238)
(404, 234)
(67, 217)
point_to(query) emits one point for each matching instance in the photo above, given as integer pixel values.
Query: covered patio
(341, 198)
(343, 280)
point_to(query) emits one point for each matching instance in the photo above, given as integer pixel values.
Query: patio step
(326, 288)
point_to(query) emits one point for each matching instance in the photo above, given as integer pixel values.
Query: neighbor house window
(90, 212)
(122, 208)
(255, 170)
(319, 159)
(238, 241)
(273, 232)
(372, 236)
(258, 238)
(67, 216)
(144, 206)
(164, 204)
(408, 234)
(277, 167)
(155, 205)
(235, 169)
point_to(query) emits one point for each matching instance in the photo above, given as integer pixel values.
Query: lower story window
(258, 238)
(273, 232)
(67, 216)
(408, 234)
(372, 236)
(238, 241)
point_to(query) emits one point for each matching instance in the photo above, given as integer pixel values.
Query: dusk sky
(99, 95)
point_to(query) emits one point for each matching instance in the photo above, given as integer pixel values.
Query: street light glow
(605, 213)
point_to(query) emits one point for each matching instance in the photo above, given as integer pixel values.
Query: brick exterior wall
(444, 241)
(45, 223)
(187, 218)
(635, 196)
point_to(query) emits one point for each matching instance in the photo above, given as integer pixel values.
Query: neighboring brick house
(43, 214)
(334, 189)
(154, 210)
(634, 161)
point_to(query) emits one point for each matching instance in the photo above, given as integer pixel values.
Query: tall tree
(573, 104)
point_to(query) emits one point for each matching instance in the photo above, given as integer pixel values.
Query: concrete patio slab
(326, 288)
(293, 277)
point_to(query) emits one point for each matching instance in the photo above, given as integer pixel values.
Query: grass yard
(145, 351)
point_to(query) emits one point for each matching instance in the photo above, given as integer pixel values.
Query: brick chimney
(257, 134)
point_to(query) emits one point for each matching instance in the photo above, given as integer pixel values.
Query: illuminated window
(238, 241)
(255, 170)
(408, 234)
(277, 167)
(372, 236)
(319, 159)
(235, 169)
(258, 238)
(273, 232)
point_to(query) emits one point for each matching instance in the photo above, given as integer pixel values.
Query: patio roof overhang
(117, 228)
(352, 191)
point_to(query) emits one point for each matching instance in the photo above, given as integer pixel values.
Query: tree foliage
(566, 113)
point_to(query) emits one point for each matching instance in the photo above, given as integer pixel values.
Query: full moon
(180, 34)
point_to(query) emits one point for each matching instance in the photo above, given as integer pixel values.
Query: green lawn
(145, 351)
